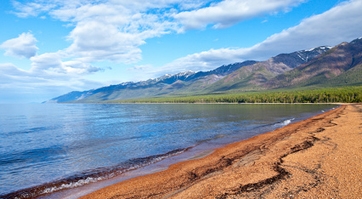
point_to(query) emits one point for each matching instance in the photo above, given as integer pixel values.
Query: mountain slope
(338, 66)
(254, 77)
(181, 83)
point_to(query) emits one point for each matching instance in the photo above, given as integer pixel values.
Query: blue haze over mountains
(321, 66)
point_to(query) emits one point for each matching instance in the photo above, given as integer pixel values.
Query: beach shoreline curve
(295, 160)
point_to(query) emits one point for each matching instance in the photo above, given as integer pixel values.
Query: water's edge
(94, 179)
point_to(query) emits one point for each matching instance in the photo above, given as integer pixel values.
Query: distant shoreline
(339, 94)
(273, 164)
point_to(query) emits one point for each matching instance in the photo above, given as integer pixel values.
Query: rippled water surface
(49, 147)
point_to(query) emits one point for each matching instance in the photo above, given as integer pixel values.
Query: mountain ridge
(330, 65)
(317, 66)
(253, 77)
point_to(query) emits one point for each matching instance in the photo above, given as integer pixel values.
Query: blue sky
(51, 47)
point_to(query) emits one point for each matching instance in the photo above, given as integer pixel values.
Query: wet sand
(320, 157)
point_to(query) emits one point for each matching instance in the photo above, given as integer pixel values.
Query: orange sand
(320, 157)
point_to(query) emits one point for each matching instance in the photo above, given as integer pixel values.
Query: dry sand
(320, 157)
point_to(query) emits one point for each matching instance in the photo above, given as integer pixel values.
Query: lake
(46, 148)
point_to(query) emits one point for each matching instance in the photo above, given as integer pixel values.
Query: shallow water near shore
(45, 148)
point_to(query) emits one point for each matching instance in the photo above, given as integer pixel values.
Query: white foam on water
(284, 123)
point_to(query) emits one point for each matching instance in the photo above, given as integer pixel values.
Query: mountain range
(322, 66)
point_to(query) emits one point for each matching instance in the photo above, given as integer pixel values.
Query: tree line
(352, 94)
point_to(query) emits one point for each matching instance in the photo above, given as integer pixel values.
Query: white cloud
(109, 30)
(204, 61)
(31, 8)
(95, 41)
(341, 23)
(23, 46)
(10, 70)
(17, 85)
(80, 68)
(47, 61)
(115, 30)
(229, 12)
(51, 64)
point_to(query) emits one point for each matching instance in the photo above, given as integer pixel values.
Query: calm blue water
(50, 147)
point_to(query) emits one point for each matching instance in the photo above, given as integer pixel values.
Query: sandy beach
(320, 157)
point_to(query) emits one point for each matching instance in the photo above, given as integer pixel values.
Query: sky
(52, 47)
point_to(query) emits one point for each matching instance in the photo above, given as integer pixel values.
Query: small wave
(90, 176)
(284, 123)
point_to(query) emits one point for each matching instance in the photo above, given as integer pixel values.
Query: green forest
(350, 94)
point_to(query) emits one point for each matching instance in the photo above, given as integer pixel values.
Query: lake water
(45, 148)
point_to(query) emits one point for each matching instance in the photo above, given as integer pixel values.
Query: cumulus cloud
(95, 41)
(23, 46)
(107, 30)
(115, 30)
(110, 30)
(47, 61)
(341, 23)
(229, 12)
(53, 65)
